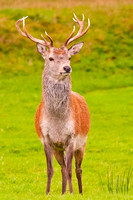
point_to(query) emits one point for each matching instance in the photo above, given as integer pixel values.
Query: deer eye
(51, 59)
(69, 58)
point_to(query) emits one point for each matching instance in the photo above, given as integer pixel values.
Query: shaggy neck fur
(56, 95)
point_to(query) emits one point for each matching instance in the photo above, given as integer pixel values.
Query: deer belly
(58, 133)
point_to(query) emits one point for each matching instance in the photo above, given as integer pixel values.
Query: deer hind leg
(60, 157)
(49, 157)
(78, 160)
(69, 158)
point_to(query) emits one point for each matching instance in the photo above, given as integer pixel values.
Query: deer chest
(59, 132)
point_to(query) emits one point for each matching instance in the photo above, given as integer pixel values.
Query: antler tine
(26, 34)
(43, 38)
(48, 44)
(70, 36)
(80, 33)
(17, 26)
(49, 38)
(81, 23)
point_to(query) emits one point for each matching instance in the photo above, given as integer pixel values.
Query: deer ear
(75, 48)
(41, 49)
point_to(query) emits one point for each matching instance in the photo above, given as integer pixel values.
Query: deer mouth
(65, 73)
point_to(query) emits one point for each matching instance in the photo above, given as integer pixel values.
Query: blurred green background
(102, 73)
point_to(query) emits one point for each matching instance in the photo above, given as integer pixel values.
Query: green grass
(23, 165)
(122, 183)
(102, 73)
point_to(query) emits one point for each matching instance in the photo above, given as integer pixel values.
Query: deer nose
(67, 69)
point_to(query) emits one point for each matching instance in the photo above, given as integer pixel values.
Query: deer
(62, 119)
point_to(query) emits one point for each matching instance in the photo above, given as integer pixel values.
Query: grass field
(102, 73)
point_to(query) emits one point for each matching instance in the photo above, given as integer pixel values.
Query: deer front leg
(49, 157)
(69, 158)
(60, 157)
(78, 160)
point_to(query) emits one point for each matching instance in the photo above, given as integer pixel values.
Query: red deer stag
(62, 119)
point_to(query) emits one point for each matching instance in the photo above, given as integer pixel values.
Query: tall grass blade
(122, 184)
(129, 176)
(112, 183)
(101, 182)
(109, 182)
(117, 184)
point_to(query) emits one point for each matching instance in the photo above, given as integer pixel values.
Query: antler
(80, 33)
(26, 34)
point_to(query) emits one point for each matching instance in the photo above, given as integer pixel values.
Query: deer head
(57, 60)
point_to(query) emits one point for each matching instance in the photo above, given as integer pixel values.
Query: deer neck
(56, 95)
